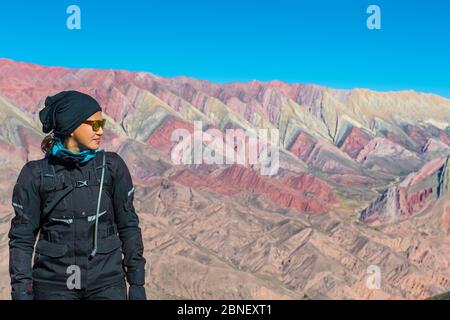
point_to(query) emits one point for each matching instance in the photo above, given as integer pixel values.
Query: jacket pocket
(107, 245)
(50, 249)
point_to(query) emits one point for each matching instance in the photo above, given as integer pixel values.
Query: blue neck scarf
(60, 151)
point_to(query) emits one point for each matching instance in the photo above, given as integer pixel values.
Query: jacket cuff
(22, 295)
(136, 277)
(22, 291)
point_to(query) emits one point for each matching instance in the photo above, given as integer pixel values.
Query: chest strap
(64, 185)
(64, 192)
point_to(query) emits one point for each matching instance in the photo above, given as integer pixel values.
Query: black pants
(117, 291)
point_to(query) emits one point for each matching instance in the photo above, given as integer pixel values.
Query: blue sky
(322, 42)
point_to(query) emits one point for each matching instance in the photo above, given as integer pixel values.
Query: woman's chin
(95, 144)
(91, 146)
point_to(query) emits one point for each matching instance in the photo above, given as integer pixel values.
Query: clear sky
(316, 41)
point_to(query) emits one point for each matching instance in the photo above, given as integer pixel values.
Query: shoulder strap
(98, 169)
(48, 177)
(98, 165)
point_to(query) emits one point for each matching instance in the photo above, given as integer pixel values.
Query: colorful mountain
(362, 181)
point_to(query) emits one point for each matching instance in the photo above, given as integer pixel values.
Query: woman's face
(85, 137)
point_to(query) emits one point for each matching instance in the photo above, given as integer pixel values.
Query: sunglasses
(96, 124)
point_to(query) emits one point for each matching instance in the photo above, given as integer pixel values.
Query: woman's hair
(48, 142)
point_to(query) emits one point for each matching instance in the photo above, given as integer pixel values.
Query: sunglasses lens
(96, 125)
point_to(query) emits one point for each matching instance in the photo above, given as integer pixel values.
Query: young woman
(79, 199)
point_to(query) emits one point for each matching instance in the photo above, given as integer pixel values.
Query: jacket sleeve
(22, 234)
(128, 224)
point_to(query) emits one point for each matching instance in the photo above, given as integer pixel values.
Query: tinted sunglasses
(96, 124)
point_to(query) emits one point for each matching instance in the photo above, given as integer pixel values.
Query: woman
(80, 201)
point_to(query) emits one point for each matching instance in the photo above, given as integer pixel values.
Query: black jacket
(66, 226)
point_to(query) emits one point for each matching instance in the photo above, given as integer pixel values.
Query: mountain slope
(362, 181)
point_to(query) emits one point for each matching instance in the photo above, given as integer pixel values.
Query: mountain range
(363, 181)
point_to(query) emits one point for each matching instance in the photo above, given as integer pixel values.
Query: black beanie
(65, 111)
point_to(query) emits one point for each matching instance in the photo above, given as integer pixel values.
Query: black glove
(136, 292)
